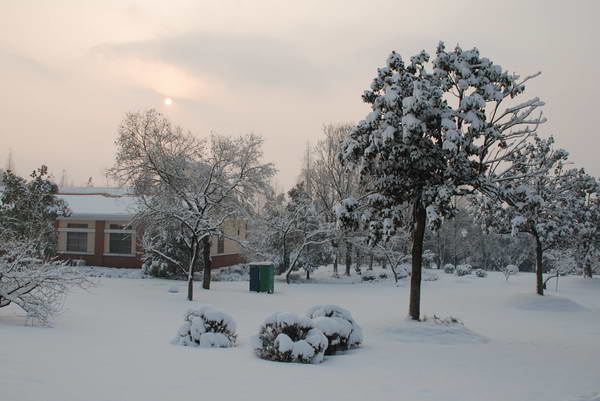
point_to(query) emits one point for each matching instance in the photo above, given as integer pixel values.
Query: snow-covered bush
(463, 270)
(337, 324)
(207, 327)
(510, 270)
(442, 320)
(449, 268)
(480, 273)
(403, 271)
(368, 276)
(239, 272)
(427, 275)
(287, 337)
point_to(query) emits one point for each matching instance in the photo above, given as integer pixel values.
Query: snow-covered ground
(113, 343)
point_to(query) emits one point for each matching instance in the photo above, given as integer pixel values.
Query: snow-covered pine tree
(432, 134)
(29, 209)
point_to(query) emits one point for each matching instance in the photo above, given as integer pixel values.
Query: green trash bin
(262, 277)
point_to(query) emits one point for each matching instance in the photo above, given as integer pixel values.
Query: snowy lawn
(113, 343)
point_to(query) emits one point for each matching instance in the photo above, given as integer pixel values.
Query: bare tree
(196, 185)
(330, 183)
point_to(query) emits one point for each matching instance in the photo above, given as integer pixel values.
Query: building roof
(98, 203)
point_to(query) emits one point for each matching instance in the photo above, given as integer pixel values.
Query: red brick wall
(225, 260)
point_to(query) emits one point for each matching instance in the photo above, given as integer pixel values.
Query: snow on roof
(99, 206)
(110, 191)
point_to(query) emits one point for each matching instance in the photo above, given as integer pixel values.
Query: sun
(168, 101)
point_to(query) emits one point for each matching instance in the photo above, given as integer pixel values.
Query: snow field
(112, 343)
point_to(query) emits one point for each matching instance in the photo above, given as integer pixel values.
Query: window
(221, 244)
(119, 243)
(76, 240)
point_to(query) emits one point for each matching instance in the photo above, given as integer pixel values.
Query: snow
(110, 191)
(93, 206)
(549, 303)
(112, 343)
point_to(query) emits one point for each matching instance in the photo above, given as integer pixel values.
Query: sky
(71, 69)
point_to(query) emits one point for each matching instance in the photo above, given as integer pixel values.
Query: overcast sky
(70, 69)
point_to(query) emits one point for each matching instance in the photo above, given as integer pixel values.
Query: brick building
(98, 230)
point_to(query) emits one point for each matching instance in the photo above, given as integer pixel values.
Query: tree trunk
(587, 270)
(286, 255)
(439, 249)
(358, 261)
(207, 264)
(190, 292)
(334, 244)
(308, 274)
(539, 267)
(348, 258)
(384, 264)
(419, 216)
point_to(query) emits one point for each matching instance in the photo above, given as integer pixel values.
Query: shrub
(156, 268)
(339, 327)
(368, 276)
(429, 276)
(442, 320)
(403, 271)
(449, 268)
(286, 337)
(480, 273)
(207, 327)
(240, 272)
(509, 270)
(463, 270)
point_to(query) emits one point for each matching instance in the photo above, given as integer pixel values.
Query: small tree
(585, 241)
(431, 136)
(331, 183)
(29, 277)
(192, 184)
(543, 204)
(29, 209)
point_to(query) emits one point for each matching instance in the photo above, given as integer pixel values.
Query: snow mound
(447, 331)
(548, 303)
(588, 397)
(287, 337)
(206, 327)
(111, 272)
(338, 325)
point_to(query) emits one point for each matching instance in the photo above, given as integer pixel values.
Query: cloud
(235, 59)
(17, 62)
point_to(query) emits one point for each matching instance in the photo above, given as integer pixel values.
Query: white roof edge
(89, 216)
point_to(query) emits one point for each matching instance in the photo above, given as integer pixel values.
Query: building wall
(233, 228)
(62, 236)
(98, 245)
